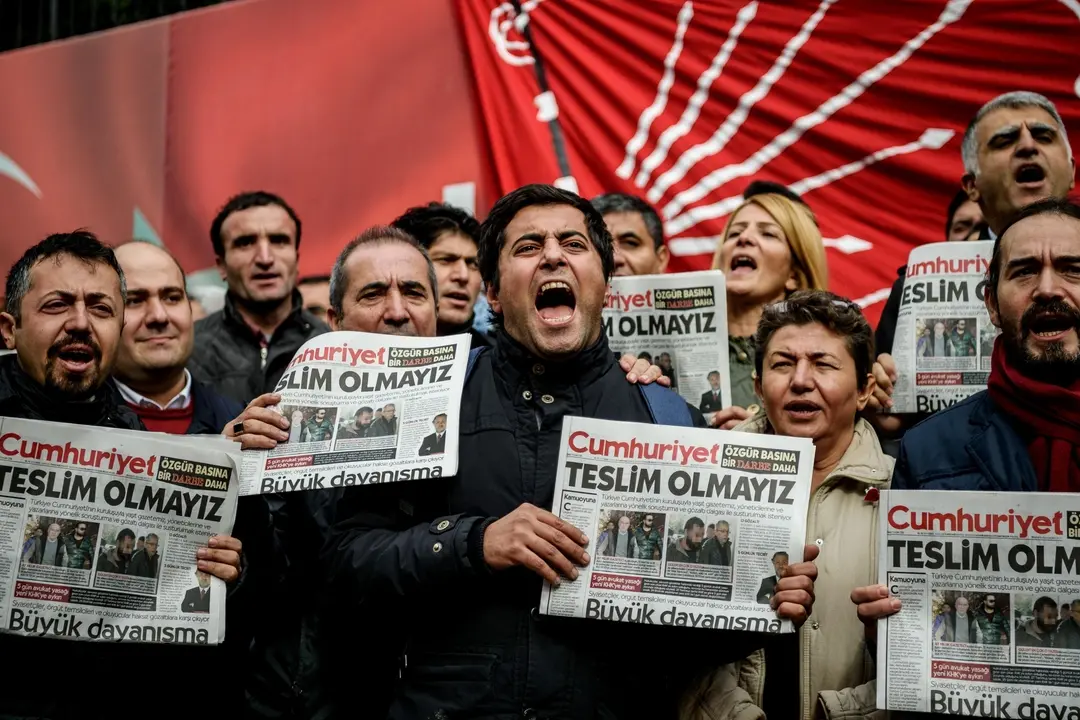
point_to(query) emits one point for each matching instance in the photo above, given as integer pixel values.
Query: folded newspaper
(678, 322)
(686, 526)
(990, 591)
(102, 527)
(944, 337)
(364, 409)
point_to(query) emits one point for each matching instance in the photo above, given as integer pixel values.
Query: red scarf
(1048, 416)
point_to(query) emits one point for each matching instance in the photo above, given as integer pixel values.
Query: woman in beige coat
(814, 363)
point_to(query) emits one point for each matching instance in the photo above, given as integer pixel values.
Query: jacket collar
(513, 362)
(994, 436)
(864, 461)
(22, 397)
(236, 320)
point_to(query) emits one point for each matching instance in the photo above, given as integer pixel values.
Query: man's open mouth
(1030, 174)
(457, 296)
(265, 277)
(1050, 326)
(555, 302)
(76, 358)
(742, 264)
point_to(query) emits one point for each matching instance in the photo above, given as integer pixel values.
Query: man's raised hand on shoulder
(538, 540)
(640, 372)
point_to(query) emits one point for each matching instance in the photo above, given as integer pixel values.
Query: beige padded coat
(843, 523)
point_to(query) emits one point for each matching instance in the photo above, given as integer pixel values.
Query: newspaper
(981, 577)
(678, 322)
(101, 529)
(944, 338)
(364, 409)
(647, 495)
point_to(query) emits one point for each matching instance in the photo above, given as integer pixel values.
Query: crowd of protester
(417, 599)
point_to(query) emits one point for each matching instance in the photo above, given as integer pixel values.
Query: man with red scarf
(1023, 432)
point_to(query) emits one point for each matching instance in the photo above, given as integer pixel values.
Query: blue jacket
(969, 446)
(212, 410)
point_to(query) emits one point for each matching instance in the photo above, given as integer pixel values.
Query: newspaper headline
(686, 526)
(102, 527)
(679, 323)
(990, 592)
(364, 409)
(944, 338)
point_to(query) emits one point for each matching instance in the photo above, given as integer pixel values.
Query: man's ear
(866, 393)
(990, 300)
(219, 261)
(332, 319)
(968, 183)
(7, 329)
(493, 299)
(664, 256)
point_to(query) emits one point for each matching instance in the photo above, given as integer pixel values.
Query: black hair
(493, 230)
(778, 554)
(364, 409)
(125, 533)
(959, 199)
(1043, 602)
(427, 222)
(246, 201)
(1050, 206)
(80, 244)
(693, 523)
(622, 202)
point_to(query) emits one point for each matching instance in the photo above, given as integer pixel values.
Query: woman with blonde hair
(770, 247)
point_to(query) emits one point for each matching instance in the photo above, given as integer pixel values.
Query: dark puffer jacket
(230, 357)
(475, 646)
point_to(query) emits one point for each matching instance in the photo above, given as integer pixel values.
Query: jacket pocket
(445, 685)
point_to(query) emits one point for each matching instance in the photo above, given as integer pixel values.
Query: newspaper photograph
(686, 526)
(989, 585)
(363, 409)
(944, 339)
(679, 323)
(101, 529)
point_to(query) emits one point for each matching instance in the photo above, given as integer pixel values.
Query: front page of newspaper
(678, 322)
(944, 338)
(686, 526)
(101, 528)
(990, 591)
(364, 409)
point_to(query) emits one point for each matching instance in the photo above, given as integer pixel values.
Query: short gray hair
(969, 150)
(377, 235)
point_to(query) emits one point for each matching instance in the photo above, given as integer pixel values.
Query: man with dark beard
(1023, 432)
(687, 548)
(648, 539)
(1039, 631)
(117, 559)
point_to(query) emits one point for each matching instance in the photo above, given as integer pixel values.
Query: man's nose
(459, 272)
(553, 253)
(155, 312)
(1049, 286)
(263, 256)
(1026, 144)
(78, 318)
(803, 378)
(394, 311)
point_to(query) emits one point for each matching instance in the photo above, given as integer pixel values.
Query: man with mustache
(1015, 151)
(65, 314)
(156, 344)
(1023, 431)
(242, 350)
(482, 540)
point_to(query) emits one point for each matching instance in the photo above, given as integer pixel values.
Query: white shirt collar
(181, 401)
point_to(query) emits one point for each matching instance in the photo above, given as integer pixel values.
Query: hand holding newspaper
(101, 530)
(364, 409)
(944, 337)
(678, 322)
(982, 578)
(646, 495)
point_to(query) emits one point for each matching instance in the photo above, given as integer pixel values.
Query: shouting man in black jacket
(65, 312)
(464, 556)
